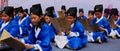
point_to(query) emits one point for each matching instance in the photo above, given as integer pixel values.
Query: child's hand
(101, 29)
(116, 25)
(28, 46)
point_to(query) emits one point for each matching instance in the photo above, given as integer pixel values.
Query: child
(115, 31)
(23, 24)
(39, 37)
(63, 9)
(8, 23)
(47, 20)
(91, 14)
(103, 24)
(107, 13)
(81, 14)
(76, 37)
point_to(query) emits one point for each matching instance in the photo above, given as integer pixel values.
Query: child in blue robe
(81, 14)
(104, 27)
(115, 31)
(47, 20)
(75, 36)
(39, 37)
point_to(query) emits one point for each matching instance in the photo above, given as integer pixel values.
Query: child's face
(70, 19)
(63, 11)
(35, 19)
(90, 16)
(5, 17)
(105, 15)
(81, 14)
(115, 17)
(47, 19)
(98, 14)
(21, 15)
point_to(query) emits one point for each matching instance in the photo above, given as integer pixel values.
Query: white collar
(4, 24)
(108, 17)
(98, 20)
(117, 20)
(72, 25)
(37, 31)
(21, 21)
(50, 24)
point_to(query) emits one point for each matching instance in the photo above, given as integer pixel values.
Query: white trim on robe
(37, 47)
(98, 20)
(4, 24)
(116, 22)
(19, 22)
(37, 31)
(73, 33)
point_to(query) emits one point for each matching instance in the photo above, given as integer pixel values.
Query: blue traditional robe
(102, 22)
(53, 31)
(79, 41)
(23, 27)
(117, 30)
(12, 27)
(40, 38)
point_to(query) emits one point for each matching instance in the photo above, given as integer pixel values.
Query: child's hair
(37, 12)
(50, 14)
(9, 11)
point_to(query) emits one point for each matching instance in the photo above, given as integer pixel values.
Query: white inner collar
(4, 24)
(98, 20)
(72, 25)
(37, 31)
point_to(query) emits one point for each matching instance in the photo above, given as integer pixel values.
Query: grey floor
(111, 45)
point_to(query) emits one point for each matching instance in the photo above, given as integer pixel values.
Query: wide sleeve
(14, 29)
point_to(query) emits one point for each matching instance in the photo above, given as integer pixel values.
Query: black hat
(20, 10)
(114, 11)
(52, 8)
(98, 8)
(35, 11)
(63, 7)
(8, 10)
(72, 11)
(49, 9)
(107, 11)
(91, 12)
(38, 6)
(26, 10)
(50, 14)
(81, 10)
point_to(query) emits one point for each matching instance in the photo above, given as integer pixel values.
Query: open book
(61, 41)
(112, 24)
(11, 42)
(60, 24)
(89, 27)
(60, 14)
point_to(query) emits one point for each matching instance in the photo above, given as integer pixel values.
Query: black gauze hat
(98, 8)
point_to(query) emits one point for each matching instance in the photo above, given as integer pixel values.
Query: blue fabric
(118, 28)
(53, 32)
(12, 28)
(44, 37)
(81, 40)
(83, 17)
(103, 23)
(25, 28)
(54, 15)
